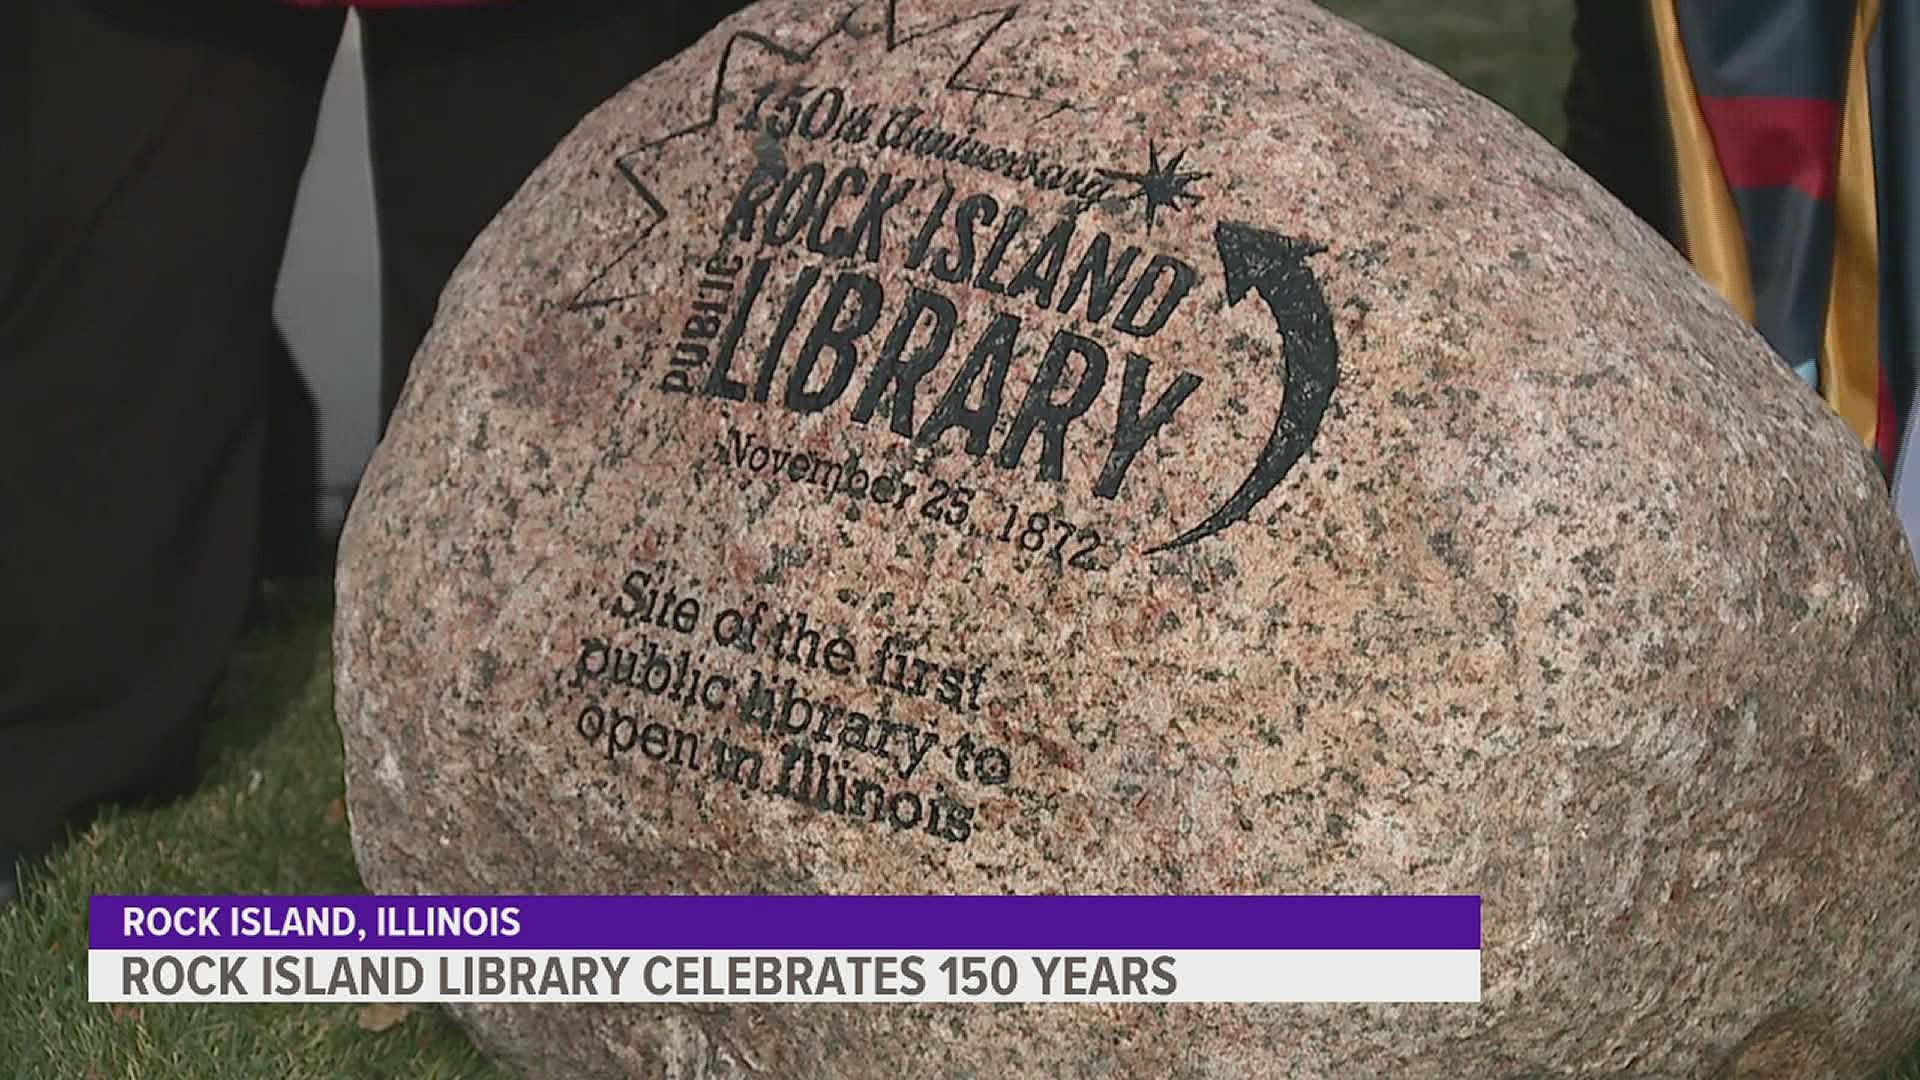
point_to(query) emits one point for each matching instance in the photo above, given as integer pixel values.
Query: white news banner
(1200, 975)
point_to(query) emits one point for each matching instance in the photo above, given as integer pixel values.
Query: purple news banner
(783, 923)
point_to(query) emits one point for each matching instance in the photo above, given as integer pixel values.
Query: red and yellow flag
(1775, 113)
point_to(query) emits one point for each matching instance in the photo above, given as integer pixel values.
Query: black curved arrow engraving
(1275, 266)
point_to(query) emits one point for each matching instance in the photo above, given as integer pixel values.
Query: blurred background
(329, 298)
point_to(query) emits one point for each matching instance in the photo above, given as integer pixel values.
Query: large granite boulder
(1136, 446)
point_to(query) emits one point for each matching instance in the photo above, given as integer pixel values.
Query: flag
(1791, 123)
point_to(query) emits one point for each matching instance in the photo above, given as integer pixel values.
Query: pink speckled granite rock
(1222, 455)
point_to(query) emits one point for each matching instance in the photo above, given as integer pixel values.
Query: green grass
(269, 817)
(267, 820)
(1516, 52)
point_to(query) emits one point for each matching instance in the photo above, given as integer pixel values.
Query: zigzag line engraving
(591, 296)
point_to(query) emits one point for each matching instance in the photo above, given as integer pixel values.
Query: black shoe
(9, 878)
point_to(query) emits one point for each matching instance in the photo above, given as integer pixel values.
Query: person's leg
(465, 104)
(1616, 119)
(290, 487)
(13, 219)
(155, 160)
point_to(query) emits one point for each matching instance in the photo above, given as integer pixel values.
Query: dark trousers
(1616, 117)
(149, 158)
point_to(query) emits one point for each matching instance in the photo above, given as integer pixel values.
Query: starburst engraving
(1162, 185)
(603, 289)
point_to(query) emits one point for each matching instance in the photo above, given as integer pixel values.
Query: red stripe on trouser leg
(1773, 142)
